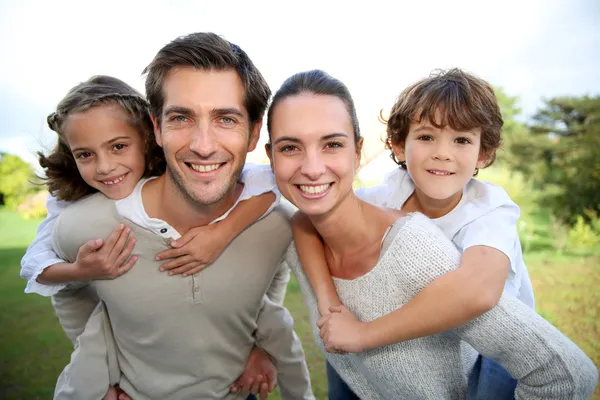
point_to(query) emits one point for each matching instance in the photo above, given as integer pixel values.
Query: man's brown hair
(61, 174)
(448, 98)
(206, 51)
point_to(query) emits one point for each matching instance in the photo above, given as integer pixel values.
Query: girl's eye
(334, 145)
(462, 140)
(425, 137)
(83, 155)
(119, 146)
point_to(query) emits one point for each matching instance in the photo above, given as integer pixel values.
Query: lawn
(33, 348)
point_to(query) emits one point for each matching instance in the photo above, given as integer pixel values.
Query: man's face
(205, 132)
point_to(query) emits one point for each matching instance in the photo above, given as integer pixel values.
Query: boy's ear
(156, 126)
(485, 157)
(269, 151)
(398, 149)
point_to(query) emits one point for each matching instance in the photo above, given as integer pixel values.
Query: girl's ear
(156, 126)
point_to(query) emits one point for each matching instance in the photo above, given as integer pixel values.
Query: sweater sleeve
(275, 334)
(93, 367)
(279, 284)
(544, 361)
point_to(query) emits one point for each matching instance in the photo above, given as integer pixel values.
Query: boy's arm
(449, 301)
(202, 245)
(312, 257)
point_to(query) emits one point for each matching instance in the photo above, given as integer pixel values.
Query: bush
(584, 235)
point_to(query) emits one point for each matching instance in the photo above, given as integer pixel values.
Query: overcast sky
(533, 49)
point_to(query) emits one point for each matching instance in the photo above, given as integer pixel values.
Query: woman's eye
(334, 145)
(287, 148)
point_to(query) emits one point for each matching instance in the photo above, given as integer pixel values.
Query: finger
(248, 384)
(264, 391)
(126, 252)
(321, 321)
(193, 269)
(337, 309)
(185, 239)
(89, 247)
(272, 380)
(119, 245)
(171, 253)
(112, 239)
(184, 269)
(127, 266)
(178, 262)
(256, 385)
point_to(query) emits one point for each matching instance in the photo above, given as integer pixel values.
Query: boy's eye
(462, 140)
(425, 137)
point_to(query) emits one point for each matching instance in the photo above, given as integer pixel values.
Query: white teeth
(440, 173)
(204, 168)
(119, 179)
(314, 189)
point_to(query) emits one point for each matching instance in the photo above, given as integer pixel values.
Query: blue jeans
(337, 389)
(490, 381)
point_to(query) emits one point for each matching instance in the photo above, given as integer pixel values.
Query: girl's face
(108, 149)
(440, 161)
(313, 154)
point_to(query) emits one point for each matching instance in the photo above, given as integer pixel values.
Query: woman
(380, 259)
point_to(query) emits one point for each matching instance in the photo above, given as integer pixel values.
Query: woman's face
(313, 154)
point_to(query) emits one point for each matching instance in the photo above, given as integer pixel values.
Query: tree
(561, 155)
(15, 180)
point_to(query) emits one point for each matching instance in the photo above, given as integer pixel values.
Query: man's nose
(203, 141)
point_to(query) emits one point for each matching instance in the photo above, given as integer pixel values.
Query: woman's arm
(312, 256)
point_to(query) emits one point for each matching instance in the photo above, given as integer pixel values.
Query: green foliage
(15, 177)
(584, 235)
(561, 156)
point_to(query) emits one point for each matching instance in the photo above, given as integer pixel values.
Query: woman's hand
(341, 331)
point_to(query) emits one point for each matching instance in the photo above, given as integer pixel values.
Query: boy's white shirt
(485, 216)
(257, 179)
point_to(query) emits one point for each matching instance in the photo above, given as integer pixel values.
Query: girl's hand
(195, 250)
(341, 331)
(99, 260)
(260, 375)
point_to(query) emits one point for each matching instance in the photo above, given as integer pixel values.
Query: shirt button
(196, 288)
(197, 274)
(163, 230)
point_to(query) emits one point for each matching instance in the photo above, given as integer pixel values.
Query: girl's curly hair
(61, 174)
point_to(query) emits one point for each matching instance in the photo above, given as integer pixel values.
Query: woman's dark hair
(62, 176)
(315, 82)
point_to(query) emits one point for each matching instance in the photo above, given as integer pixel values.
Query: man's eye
(227, 120)
(178, 118)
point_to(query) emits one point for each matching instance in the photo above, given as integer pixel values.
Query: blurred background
(542, 57)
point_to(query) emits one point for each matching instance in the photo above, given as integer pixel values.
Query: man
(187, 337)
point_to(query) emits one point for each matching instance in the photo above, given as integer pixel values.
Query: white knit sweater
(546, 363)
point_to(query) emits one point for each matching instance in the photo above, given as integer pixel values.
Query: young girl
(441, 130)
(106, 144)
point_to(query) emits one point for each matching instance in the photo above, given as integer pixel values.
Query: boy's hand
(99, 260)
(260, 375)
(195, 250)
(341, 331)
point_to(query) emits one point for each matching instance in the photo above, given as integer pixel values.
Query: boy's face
(440, 161)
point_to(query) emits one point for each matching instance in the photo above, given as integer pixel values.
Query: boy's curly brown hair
(448, 98)
(61, 174)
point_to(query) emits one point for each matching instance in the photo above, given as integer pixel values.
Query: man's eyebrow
(179, 110)
(228, 111)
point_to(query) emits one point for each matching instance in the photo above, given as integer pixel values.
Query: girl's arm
(201, 246)
(312, 257)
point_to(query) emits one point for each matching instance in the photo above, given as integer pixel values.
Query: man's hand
(116, 393)
(99, 260)
(195, 250)
(260, 375)
(341, 331)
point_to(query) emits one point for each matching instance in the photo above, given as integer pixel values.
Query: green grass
(33, 348)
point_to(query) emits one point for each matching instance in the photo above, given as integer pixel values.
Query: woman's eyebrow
(287, 139)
